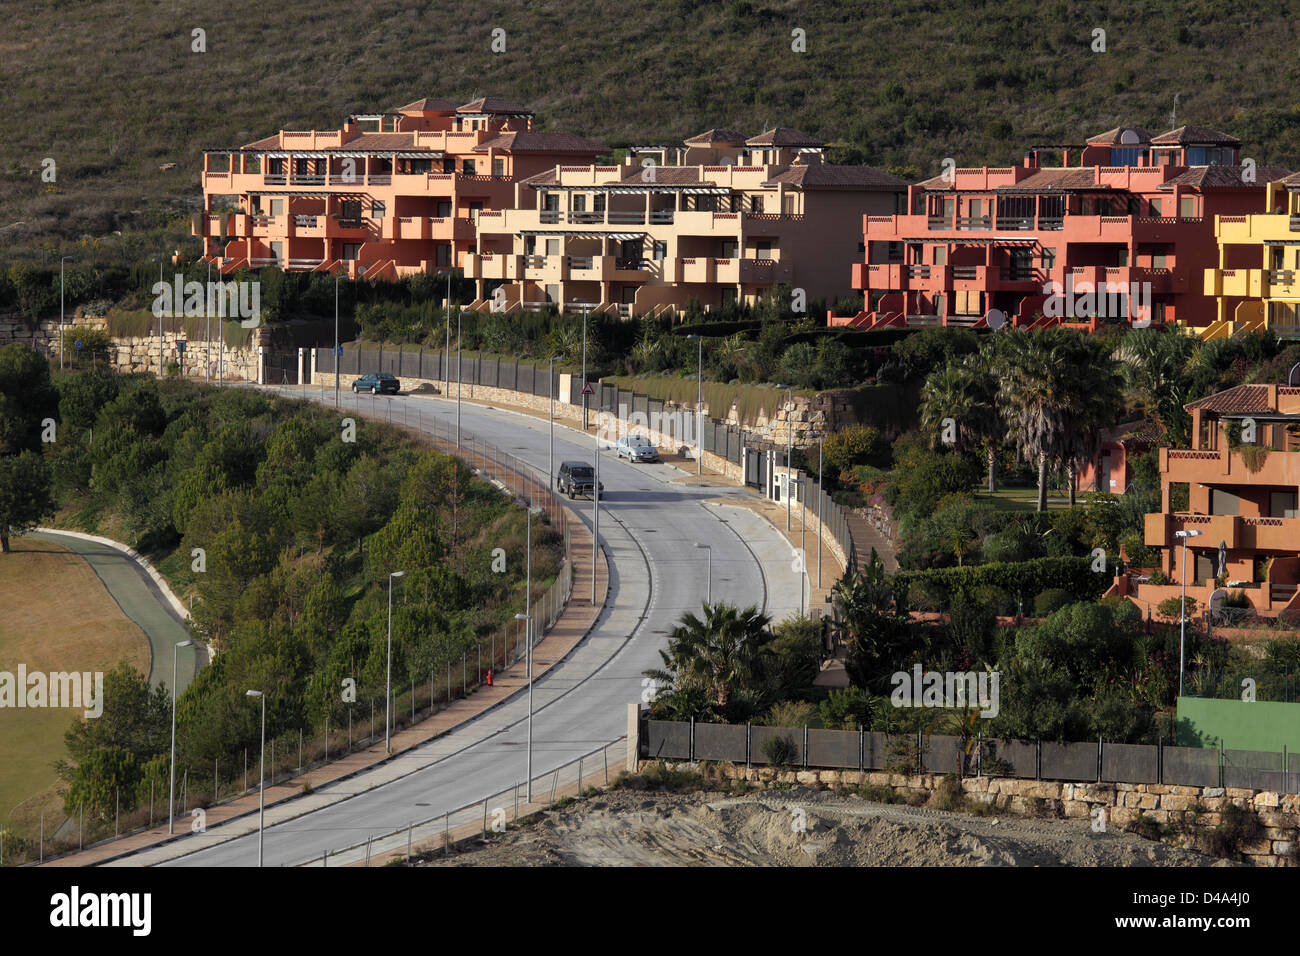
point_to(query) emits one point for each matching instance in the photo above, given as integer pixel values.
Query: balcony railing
(275, 179)
(1016, 223)
(633, 263)
(583, 215)
(582, 262)
(918, 272)
(935, 222)
(1051, 223)
(974, 223)
(384, 179)
(1013, 274)
(964, 272)
(349, 223)
(305, 222)
(1294, 223)
(308, 179)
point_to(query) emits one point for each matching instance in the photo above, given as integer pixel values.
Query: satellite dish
(1129, 138)
(996, 318)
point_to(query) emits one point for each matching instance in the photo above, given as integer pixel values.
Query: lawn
(56, 616)
(1021, 499)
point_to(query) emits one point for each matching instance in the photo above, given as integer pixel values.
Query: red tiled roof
(494, 104)
(429, 104)
(545, 178)
(1235, 400)
(378, 141)
(1073, 177)
(717, 136)
(1225, 177)
(665, 176)
(1198, 135)
(1145, 431)
(824, 176)
(529, 141)
(783, 136)
(1291, 181)
(270, 142)
(1113, 137)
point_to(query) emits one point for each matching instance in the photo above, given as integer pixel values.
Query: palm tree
(1036, 395)
(966, 391)
(1097, 400)
(724, 653)
(1156, 364)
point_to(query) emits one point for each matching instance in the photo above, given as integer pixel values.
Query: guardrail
(480, 811)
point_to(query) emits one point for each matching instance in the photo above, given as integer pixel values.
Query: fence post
(862, 749)
(1038, 760)
(748, 728)
(1099, 746)
(1160, 760)
(805, 746)
(690, 747)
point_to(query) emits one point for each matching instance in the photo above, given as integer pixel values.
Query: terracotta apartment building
(387, 195)
(1241, 497)
(1136, 213)
(741, 217)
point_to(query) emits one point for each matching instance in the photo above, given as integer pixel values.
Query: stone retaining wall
(1188, 811)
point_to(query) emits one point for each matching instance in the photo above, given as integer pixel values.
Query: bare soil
(640, 828)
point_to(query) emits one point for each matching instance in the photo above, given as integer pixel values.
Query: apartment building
(741, 217)
(1256, 283)
(1241, 497)
(387, 195)
(1125, 214)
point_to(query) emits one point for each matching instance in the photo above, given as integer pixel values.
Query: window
(916, 254)
(1159, 257)
(277, 252)
(420, 165)
(467, 167)
(1282, 504)
(1126, 155)
(1155, 204)
(551, 202)
(763, 250)
(728, 295)
(1187, 208)
(1119, 257)
(660, 250)
(579, 203)
(756, 204)
(277, 207)
(351, 250)
(598, 202)
(378, 209)
(553, 293)
(443, 253)
(444, 209)
(1049, 259)
(894, 252)
(791, 205)
(728, 249)
(552, 247)
(498, 168)
(940, 255)
(530, 245)
(448, 164)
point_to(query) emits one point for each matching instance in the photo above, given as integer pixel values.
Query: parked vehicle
(577, 478)
(636, 448)
(377, 382)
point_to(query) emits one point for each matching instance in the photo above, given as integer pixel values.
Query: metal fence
(1091, 762)
(414, 698)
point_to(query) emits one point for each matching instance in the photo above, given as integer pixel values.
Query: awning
(974, 240)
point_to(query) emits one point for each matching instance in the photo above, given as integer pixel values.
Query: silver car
(636, 448)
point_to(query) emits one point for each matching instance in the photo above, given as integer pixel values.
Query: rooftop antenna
(1173, 114)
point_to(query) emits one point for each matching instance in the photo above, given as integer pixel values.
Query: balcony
(494, 266)
(437, 228)
(1015, 223)
(1237, 532)
(1223, 467)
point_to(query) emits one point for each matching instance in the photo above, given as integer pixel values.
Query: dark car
(378, 382)
(577, 478)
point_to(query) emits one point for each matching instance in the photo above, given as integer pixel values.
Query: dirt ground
(643, 828)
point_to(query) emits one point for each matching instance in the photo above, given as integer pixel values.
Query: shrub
(792, 713)
(780, 751)
(847, 709)
(1159, 578)
(1238, 827)
(1074, 575)
(854, 446)
(1172, 608)
(1050, 600)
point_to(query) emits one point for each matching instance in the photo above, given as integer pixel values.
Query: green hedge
(1024, 579)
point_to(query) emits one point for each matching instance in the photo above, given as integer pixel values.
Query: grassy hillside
(111, 90)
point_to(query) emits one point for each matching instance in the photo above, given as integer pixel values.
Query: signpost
(180, 347)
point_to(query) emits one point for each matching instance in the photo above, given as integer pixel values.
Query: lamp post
(708, 588)
(1182, 610)
(388, 681)
(171, 791)
(207, 326)
(458, 367)
(584, 372)
(699, 405)
(527, 618)
(821, 494)
(551, 459)
(261, 779)
(803, 527)
(61, 261)
(446, 348)
(595, 513)
(337, 357)
(789, 450)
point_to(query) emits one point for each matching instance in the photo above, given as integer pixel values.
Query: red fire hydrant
(489, 677)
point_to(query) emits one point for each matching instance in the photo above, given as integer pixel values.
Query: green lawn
(1021, 499)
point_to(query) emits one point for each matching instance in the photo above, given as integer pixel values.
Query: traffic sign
(587, 389)
(77, 345)
(339, 351)
(180, 346)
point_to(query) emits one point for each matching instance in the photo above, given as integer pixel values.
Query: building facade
(1256, 283)
(387, 195)
(1124, 234)
(744, 216)
(1241, 478)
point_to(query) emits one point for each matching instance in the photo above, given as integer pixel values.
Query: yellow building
(1257, 283)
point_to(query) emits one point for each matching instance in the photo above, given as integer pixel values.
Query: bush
(847, 709)
(1159, 578)
(1172, 608)
(853, 446)
(792, 713)
(780, 751)
(1074, 575)
(1050, 600)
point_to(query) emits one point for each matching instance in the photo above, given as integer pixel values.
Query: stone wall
(1188, 812)
(132, 354)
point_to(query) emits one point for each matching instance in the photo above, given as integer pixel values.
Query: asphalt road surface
(651, 516)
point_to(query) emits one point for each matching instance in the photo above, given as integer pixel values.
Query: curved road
(650, 519)
(140, 599)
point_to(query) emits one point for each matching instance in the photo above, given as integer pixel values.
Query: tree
(873, 625)
(25, 496)
(1036, 393)
(1096, 401)
(966, 390)
(723, 654)
(26, 398)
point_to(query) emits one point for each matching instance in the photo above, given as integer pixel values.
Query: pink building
(1030, 241)
(389, 194)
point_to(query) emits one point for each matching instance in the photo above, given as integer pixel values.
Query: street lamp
(821, 494)
(584, 374)
(527, 617)
(207, 326)
(337, 277)
(595, 509)
(171, 793)
(699, 405)
(446, 348)
(789, 450)
(1182, 610)
(803, 527)
(552, 417)
(388, 684)
(261, 779)
(61, 261)
(458, 366)
(708, 590)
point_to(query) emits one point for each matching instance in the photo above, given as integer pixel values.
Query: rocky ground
(800, 827)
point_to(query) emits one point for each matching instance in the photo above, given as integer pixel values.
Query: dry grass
(56, 616)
